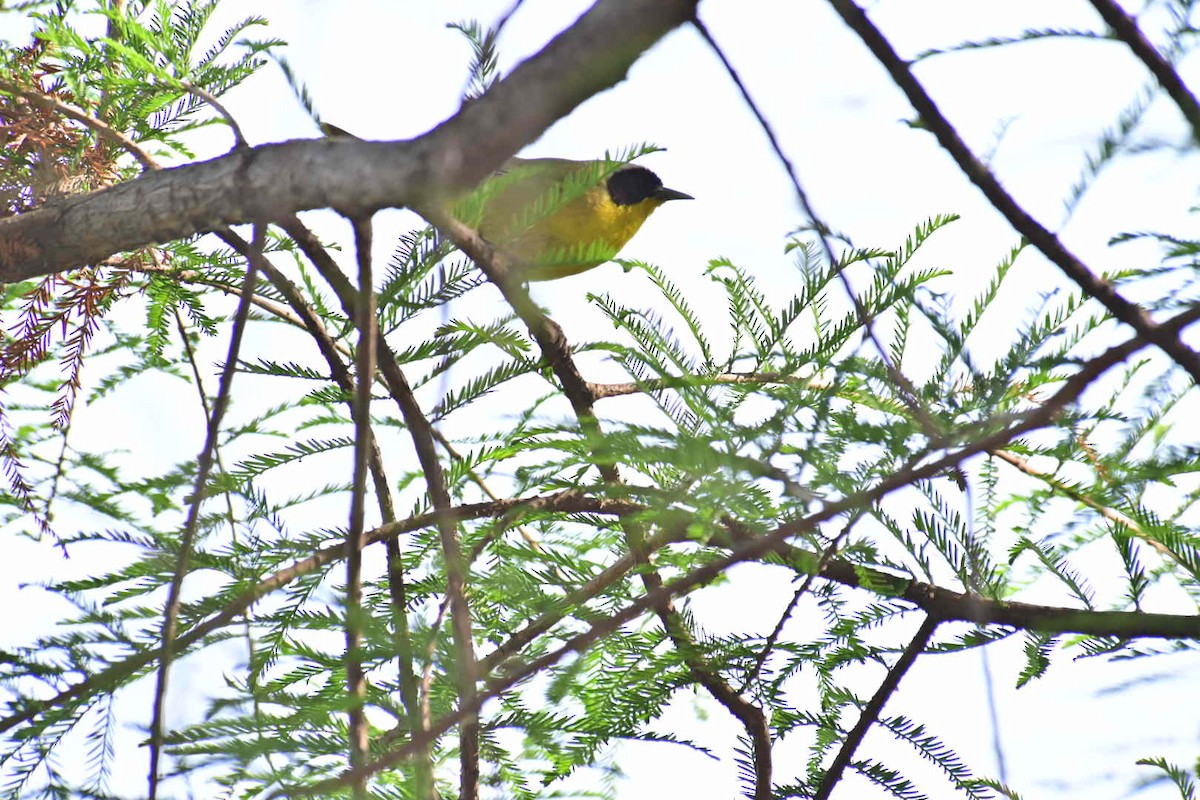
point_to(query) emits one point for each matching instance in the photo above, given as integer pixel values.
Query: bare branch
(874, 708)
(1040, 237)
(1126, 29)
(356, 680)
(187, 540)
(602, 391)
(208, 97)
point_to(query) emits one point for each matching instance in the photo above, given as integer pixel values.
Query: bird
(555, 217)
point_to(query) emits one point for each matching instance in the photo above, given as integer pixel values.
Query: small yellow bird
(558, 217)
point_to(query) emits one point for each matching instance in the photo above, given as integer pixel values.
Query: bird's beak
(665, 194)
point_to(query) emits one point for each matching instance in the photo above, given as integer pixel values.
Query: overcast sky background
(390, 70)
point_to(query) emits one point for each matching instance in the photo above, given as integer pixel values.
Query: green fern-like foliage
(733, 426)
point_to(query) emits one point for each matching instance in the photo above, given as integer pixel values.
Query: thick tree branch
(355, 177)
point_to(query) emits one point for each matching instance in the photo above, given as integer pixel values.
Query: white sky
(393, 70)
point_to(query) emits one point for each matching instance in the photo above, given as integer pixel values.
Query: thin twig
(874, 708)
(761, 657)
(208, 97)
(356, 681)
(977, 172)
(190, 354)
(908, 393)
(989, 688)
(187, 541)
(506, 16)
(602, 391)
(427, 675)
(1111, 514)
(230, 515)
(421, 432)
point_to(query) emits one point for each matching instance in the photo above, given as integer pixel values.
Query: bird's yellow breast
(557, 218)
(583, 233)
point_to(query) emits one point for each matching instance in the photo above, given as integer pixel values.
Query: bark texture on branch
(270, 182)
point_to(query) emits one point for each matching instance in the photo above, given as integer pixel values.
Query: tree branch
(187, 540)
(421, 432)
(274, 181)
(874, 708)
(948, 605)
(749, 548)
(557, 352)
(1126, 29)
(356, 679)
(304, 316)
(1094, 286)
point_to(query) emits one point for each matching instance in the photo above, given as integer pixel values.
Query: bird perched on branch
(557, 217)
